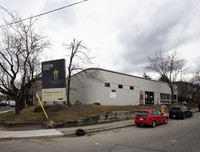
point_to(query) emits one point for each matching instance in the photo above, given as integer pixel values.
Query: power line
(48, 12)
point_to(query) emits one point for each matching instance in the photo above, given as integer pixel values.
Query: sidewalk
(59, 132)
(98, 127)
(30, 134)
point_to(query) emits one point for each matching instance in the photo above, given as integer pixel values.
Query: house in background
(188, 92)
(106, 87)
(1, 96)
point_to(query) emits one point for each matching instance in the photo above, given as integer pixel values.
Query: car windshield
(142, 113)
(175, 108)
(183, 108)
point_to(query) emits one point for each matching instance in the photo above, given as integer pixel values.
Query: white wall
(89, 91)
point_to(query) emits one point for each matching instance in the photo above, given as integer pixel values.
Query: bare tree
(167, 66)
(146, 76)
(20, 52)
(195, 86)
(196, 78)
(77, 59)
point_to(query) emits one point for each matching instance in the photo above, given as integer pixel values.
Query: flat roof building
(106, 87)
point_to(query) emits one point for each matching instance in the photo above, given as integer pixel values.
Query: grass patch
(26, 115)
(66, 113)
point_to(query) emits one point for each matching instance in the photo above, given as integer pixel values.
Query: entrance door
(149, 97)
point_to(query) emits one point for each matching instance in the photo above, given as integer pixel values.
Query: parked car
(179, 112)
(150, 117)
(12, 103)
(199, 106)
(4, 103)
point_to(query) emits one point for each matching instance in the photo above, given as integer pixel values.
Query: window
(142, 113)
(161, 96)
(107, 84)
(183, 108)
(175, 108)
(131, 87)
(175, 97)
(159, 113)
(153, 113)
(170, 97)
(167, 96)
(113, 90)
(120, 86)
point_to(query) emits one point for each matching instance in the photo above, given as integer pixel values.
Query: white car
(12, 103)
(4, 103)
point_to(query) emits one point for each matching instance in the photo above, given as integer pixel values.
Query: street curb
(33, 135)
(89, 131)
(71, 134)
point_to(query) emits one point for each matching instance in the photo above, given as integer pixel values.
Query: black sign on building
(53, 74)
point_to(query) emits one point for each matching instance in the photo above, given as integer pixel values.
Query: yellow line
(42, 106)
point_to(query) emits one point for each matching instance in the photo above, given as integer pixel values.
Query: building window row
(120, 86)
(164, 96)
(107, 84)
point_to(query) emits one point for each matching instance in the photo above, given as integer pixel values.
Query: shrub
(97, 103)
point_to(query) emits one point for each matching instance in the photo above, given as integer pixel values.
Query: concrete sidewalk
(30, 134)
(59, 132)
(98, 127)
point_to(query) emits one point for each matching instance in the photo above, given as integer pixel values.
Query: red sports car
(150, 117)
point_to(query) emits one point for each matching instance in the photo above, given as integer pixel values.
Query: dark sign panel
(53, 74)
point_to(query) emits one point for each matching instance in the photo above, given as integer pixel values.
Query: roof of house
(119, 74)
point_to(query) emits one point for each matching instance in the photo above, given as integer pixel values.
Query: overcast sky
(119, 33)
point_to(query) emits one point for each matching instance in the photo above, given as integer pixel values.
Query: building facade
(106, 87)
(188, 92)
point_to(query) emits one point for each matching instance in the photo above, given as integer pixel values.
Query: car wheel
(154, 124)
(138, 125)
(166, 121)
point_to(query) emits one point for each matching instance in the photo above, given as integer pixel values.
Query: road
(5, 108)
(176, 136)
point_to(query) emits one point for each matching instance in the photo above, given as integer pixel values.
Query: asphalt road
(176, 136)
(6, 108)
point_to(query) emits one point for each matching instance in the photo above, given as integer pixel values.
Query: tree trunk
(172, 91)
(22, 103)
(17, 106)
(68, 92)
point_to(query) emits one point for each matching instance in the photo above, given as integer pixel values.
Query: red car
(150, 117)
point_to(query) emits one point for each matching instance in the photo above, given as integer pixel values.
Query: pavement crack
(112, 148)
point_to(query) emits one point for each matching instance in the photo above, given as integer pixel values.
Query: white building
(106, 87)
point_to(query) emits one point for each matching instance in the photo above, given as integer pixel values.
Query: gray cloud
(166, 27)
(61, 18)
